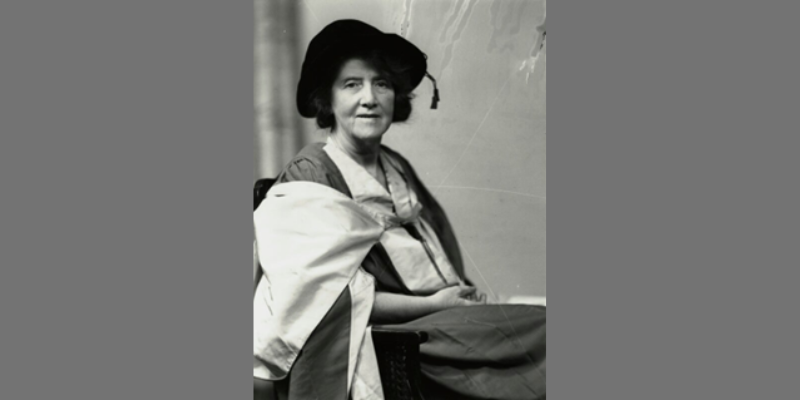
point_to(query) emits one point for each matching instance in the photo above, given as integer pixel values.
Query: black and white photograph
(400, 199)
(396, 159)
(358, 190)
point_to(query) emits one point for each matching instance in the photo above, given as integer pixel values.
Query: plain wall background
(482, 152)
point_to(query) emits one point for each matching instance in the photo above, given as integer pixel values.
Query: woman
(355, 238)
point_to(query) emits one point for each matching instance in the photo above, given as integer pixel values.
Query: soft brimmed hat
(352, 35)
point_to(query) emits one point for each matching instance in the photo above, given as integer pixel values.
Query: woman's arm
(398, 308)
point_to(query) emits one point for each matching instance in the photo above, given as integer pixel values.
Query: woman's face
(363, 102)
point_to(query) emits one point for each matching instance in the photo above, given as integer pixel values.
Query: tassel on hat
(435, 99)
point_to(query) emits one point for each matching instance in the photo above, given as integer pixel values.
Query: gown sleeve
(305, 169)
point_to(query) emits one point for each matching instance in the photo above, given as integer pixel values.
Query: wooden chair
(397, 351)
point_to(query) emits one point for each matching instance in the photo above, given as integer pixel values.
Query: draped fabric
(483, 352)
(314, 165)
(476, 352)
(313, 297)
(415, 251)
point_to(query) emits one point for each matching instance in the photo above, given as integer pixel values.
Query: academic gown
(474, 352)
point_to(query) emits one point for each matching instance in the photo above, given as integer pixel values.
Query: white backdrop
(483, 151)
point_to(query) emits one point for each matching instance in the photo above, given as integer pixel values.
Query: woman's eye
(350, 84)
(383, 85)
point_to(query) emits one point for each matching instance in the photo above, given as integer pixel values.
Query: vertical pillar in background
(278, 134)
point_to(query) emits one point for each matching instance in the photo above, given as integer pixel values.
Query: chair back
(260, 190)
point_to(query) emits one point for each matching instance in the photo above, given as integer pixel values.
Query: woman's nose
(368, 97)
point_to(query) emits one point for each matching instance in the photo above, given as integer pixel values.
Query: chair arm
(390, 335)
(398, 361)
(264, 390)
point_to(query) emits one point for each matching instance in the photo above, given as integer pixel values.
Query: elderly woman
(350, 237)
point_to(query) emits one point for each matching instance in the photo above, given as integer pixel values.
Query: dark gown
(476, 352)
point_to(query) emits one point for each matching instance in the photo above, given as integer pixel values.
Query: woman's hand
(482, 297)
(455, 296)
(398, 308)
(478, 296)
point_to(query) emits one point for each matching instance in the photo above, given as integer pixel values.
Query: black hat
(351, 35)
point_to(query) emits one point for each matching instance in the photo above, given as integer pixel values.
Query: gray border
(672, 200)
(126, 170)
(128, 234)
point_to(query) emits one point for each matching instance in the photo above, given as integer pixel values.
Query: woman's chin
(370, 134)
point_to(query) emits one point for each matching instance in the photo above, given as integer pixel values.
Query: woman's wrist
(391, 308)
(432, 304)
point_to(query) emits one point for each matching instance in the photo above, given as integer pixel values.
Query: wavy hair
(321, 97)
